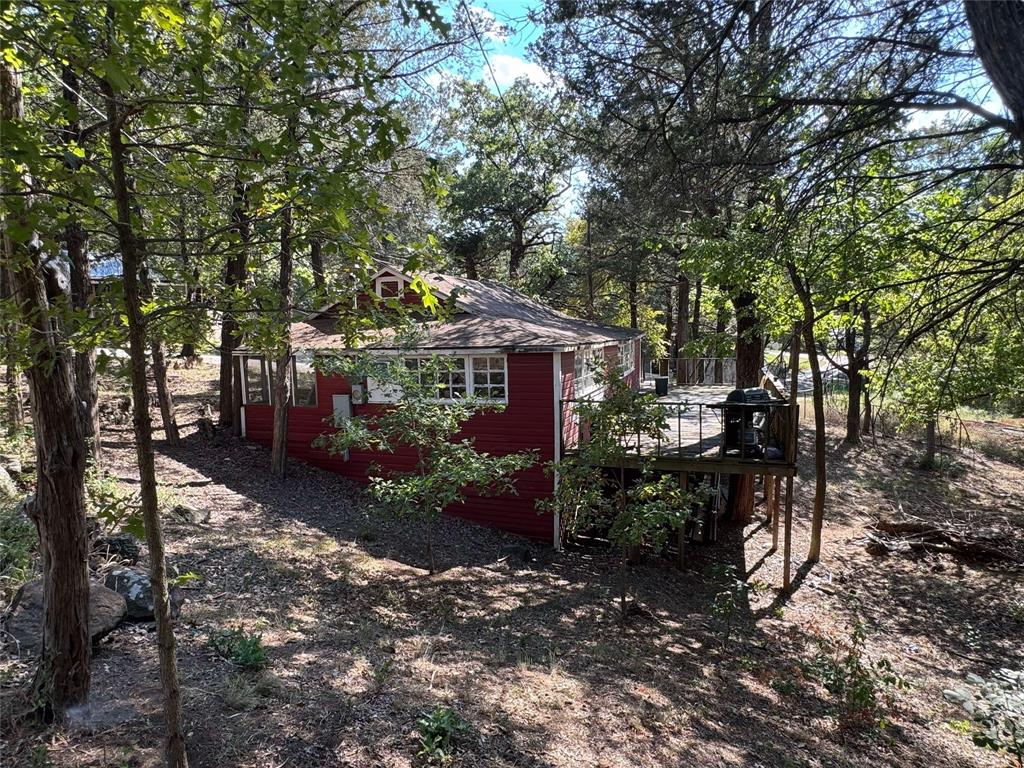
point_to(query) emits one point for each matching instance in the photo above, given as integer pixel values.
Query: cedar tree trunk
(62, 677)
(282, 373)
(82, 292)
(749, 342)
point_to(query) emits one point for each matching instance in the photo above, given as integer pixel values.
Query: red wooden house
(504, 346)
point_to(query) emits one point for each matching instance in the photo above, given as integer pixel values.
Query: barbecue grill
(745, 412)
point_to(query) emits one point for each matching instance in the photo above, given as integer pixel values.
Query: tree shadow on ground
(555, 620)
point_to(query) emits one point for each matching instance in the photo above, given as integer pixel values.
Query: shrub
(240, 648)
(439, 732)
(18, 546)
(865, 688)
(729, 598)
(997, 710)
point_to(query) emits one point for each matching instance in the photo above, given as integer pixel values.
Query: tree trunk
(516, 250)
(316, 260)
(930, 447)
(721, 318)
(695, 328)
(193, 291)
(669, 324)
(867, 425)
(855, 391)
(820, 476)
(174, 745)
(749, 341)
(235, 273)
(682, 328)
(163, 393)
(159, 367)
(998, 28)
(82, 293)
(12, 372)
(282, 373)
(634, 309)
(62, 677)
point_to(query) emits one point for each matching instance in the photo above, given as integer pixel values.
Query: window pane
(305, 380)
(257, 386)
(498, 377)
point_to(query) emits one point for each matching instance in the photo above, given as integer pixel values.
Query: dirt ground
(362, 641)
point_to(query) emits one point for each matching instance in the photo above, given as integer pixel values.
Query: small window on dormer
(389, 287)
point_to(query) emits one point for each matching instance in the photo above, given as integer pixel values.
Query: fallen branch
(913, 536)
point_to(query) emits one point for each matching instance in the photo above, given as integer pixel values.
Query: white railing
(693, 370)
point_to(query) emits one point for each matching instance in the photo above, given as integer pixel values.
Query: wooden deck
(694, 430)
(692, 439)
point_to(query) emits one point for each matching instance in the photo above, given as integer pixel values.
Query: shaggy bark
(282, 372)
(316, 260)
(82, 292)
(12, 372)
(62, 677)
(682, 327)
(998, 29)
(749, 341)
(174, 743)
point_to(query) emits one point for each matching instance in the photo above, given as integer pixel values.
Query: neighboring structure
(506, 347)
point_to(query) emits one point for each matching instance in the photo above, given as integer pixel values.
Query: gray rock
(190, 515)
(8, 489)
(517, 553)
(12, 463)
(106, 610)
(120, 546)
(135, 587)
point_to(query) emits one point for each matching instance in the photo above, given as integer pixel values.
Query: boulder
(190, 515)
(8, 490)
(119, 546)
(106, 610)
(517, 553)
(135, 587)
(12, 463)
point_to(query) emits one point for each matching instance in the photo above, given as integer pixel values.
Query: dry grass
(362, 641)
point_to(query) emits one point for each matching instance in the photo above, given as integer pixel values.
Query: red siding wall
(527, 423)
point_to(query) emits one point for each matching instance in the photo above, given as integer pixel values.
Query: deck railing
(757, 433)
(694, 370)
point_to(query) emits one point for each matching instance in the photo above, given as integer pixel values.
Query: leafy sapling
(638, 507)
(428, 414)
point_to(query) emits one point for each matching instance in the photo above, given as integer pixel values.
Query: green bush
(865, 688)
(439, 731)
(19, 544)
(240, 648)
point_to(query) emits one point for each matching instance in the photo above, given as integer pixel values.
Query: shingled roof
(489, 316)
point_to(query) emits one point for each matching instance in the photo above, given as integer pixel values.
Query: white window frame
(265, 373)
(379, 287)
(268, 368)
(586, 363)
(627, 356)
(384, 392)
(295, 380)
(472, 373)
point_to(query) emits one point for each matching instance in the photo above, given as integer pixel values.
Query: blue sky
(506, 34)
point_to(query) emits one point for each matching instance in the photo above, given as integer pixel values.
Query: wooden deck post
(681, 533)
(776, 484)
(791, 451)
